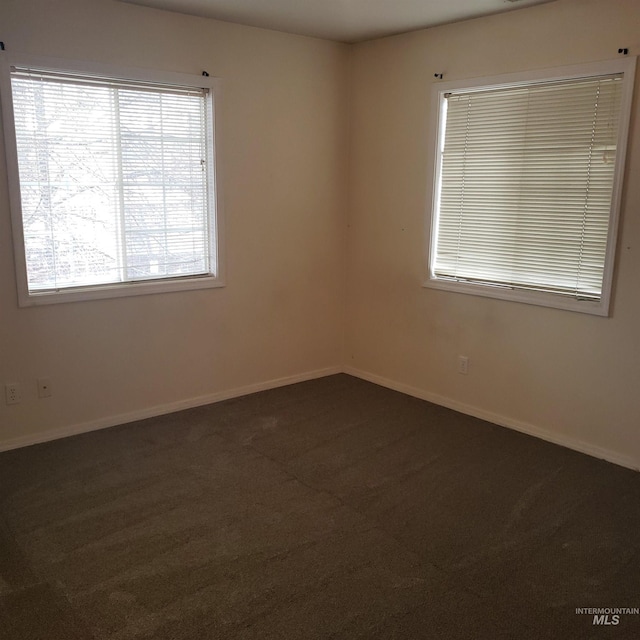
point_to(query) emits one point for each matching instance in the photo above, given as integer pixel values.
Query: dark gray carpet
(328, 509)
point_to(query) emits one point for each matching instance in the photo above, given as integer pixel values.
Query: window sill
(538, 298)
(119, 290)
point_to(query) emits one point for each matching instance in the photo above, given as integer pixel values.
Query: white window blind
(526, 182)
(114, 183)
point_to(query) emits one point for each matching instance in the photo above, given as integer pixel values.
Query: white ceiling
(342, 20)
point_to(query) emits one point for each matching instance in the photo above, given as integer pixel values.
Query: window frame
(119, 289)
(625, 65)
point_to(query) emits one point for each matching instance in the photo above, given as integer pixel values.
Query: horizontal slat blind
(526, 186)
(98, 81)
(112, 178)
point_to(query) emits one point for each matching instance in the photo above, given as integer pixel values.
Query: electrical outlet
(463, 365)
(12, 393)
(44, 388)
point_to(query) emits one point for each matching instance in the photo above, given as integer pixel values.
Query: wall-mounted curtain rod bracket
(624, 52)
(205, 74)
(438, 76)
(1, 46)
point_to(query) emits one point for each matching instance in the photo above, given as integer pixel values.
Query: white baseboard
(157, 410)
(161, 409)
(503, 421)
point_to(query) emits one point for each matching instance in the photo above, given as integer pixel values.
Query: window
(113, 189)
(527, 185)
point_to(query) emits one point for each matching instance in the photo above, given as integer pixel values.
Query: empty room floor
(333, 508)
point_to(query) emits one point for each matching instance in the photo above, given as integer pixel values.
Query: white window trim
(115, 290)
(626, 65)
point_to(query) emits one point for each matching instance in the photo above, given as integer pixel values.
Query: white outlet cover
(12, 393)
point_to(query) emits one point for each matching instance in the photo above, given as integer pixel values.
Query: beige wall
(292, 183)
(283, 126)
(570, 377)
